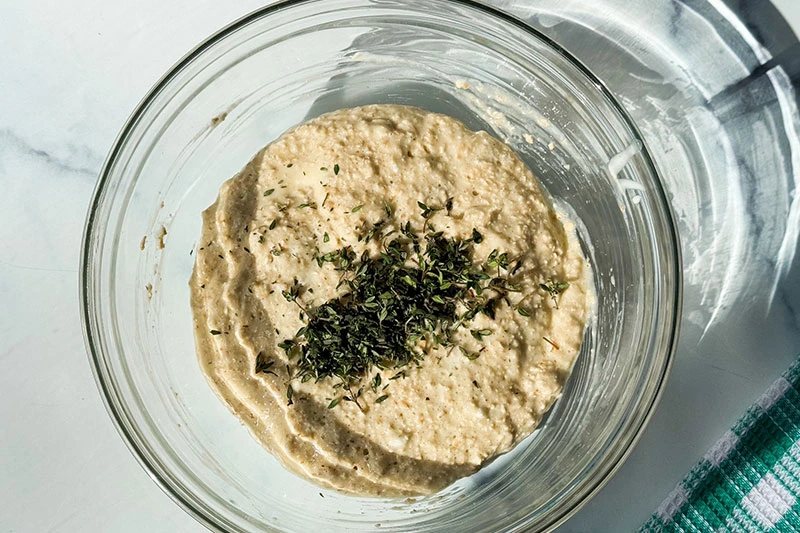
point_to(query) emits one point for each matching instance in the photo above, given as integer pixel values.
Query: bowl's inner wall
(268, 76)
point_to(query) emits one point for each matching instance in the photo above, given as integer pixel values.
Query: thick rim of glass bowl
(105, 380)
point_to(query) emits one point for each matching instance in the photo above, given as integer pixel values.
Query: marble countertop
(72, 74)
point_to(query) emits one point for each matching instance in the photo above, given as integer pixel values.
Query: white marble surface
(71, 74)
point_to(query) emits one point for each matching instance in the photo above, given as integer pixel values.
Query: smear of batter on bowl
(387, 300)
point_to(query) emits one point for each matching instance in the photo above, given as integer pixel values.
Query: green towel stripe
(685, 524)
(793, 374)
(709, 510)
(718, 489)
(790, 406)
(783, 419)
(706, 513)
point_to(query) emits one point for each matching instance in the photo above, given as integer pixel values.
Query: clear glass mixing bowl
(280, 66)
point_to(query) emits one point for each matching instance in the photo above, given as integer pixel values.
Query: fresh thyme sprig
(554, 288)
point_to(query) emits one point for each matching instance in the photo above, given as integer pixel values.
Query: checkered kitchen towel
(750, 480)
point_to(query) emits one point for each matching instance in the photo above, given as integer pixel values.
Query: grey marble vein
(79, 159)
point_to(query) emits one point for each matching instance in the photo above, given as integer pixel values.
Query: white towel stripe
(768, 501)
(774, 393)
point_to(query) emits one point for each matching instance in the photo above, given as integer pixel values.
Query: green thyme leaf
(268, 192)
(263, 366)
(376, 382)
(480, 333)
(469, 355)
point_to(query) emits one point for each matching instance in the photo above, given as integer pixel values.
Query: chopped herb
(289, 394)
(336, 169)
(524, 312)
(275, 252)
(334, 403)
(287, 345)
(289, 165)
(326, 237)
(323, 168)
(357, 208)
(215, 332)
(427, 212)
(268, 192)
(497, 260)
(381, 399)
(260, 239)
(477, 238)
(479, 334)
(273, 224)
(554, 288)
(398, 305)
(469, 355)
(263, 366)
(292, 294)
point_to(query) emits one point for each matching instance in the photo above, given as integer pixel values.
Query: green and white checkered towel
(750, 480)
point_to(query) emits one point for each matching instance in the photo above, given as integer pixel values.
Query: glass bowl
(287, 63)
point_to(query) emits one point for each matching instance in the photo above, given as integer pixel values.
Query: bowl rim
(90, 232)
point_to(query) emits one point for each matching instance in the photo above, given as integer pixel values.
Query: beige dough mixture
(312, 192)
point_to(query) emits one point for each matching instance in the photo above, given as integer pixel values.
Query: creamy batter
(312, 192)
